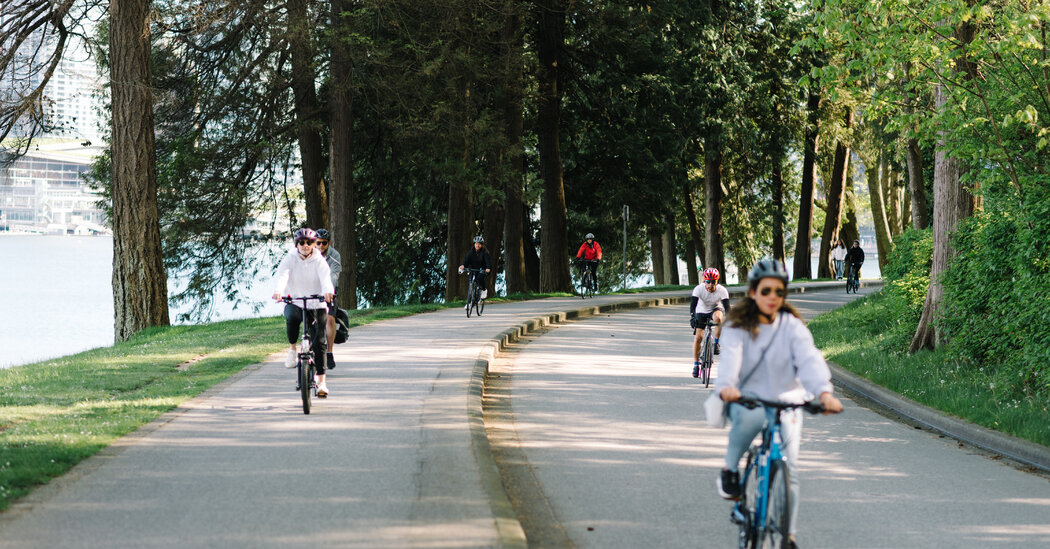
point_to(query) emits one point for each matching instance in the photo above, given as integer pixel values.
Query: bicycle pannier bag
(342, 326)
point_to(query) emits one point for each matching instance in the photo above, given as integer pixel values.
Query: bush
(907, 276)
(995, 311)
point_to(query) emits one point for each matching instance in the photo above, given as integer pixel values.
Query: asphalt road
(604, 438)
(387, 461)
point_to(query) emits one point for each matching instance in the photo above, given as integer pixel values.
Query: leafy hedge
(996, 308)
(907, 276)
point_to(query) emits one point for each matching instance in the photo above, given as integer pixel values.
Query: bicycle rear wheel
(778, 511)
(305, 378)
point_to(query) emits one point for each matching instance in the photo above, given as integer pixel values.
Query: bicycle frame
(761, 458)
(473, 290)
(306, 354)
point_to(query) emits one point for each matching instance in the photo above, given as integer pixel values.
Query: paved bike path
(388, 460)
(610, 425)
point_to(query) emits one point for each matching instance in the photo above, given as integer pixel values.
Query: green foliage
(1005, 330)
(907, 272)
(864, 336)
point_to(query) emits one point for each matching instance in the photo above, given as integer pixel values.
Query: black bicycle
(853, 278)
(707, 347)
(475, 302)
(763, 511)
(306, 364)
(588, 283)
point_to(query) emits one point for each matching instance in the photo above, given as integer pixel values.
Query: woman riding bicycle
(304, 272)
(478, 258)
(767, 345)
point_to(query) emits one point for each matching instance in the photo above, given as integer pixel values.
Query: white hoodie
(300, 277)
(793, 365)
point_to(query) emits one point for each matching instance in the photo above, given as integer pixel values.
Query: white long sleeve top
(301, 277)
(793, 369)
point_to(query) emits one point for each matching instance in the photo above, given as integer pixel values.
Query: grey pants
(747, 424)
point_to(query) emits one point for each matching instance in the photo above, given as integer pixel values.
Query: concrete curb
(908, 411)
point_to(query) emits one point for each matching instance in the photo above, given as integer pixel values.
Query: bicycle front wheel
(748, 537)
(481, 306)
(705, 366)
(305, 377)
(775, 534)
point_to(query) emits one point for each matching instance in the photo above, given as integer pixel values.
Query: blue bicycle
(763, 511)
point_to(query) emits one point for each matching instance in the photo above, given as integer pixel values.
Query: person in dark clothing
(855, 258)
(478, 258)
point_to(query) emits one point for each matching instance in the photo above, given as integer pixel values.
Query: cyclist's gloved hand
(692, 321)
(461, 269)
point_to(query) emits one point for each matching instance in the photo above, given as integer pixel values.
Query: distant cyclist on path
(331, 255)
(590, 251)
(478, 258)
(855, 258)
(709, 302)
(305, 272)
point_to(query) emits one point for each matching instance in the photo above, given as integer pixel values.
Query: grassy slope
(863, 337)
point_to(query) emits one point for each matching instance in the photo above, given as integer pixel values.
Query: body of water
(58, 297)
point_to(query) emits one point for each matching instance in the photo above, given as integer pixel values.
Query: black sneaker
(729, 485)
(718, 348)
(696, 369)
(330, 362)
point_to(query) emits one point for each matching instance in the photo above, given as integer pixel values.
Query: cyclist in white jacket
(768, 353)
(304, 272)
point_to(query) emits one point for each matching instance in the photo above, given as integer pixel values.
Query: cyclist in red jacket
(591, 253)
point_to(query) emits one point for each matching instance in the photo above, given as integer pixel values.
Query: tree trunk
(670, 252)
(513, 159)
(342, 210)
(460, 231)
(883, 239)
(891, 200)
(920, 218)
(836, 197)
(307, 113)
(778, 211)
(951, 203)
(803, 249)
(850, 228)
(554, 241)
(493, 231)
(694, 230)
(140, 288)
(656, 250)
(715, 254)
(690, 262)
(532, 258)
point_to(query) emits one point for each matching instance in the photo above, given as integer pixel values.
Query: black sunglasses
(322, 242)
(780, 291)
(307, 242)
(710, 282)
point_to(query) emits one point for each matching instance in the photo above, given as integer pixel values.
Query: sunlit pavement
(386, 461)
(610, 422)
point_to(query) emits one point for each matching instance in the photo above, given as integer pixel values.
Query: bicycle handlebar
(305, 298)
(473, 270)
(813, 406)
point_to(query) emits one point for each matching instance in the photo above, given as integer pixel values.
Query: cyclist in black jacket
(478, 258)
(855, 257)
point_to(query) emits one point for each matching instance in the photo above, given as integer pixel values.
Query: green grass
(868, 338)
